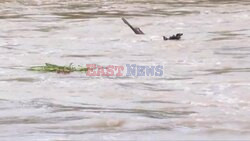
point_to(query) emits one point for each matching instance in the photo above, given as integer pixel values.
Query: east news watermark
(129, 70)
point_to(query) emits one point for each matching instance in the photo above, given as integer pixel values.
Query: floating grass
(58, 69)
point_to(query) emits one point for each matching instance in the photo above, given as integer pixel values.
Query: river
(204, 92)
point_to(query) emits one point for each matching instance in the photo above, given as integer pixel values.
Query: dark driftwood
(174, 37)
(135, 29)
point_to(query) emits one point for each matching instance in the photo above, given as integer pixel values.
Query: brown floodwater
(203, 94)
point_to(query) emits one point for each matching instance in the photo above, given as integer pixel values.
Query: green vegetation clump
(58, 69)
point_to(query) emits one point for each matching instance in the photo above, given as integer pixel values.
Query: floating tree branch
(173, 37)
(58, 69)
(136, 30)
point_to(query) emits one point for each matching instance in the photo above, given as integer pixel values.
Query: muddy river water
(204, 92)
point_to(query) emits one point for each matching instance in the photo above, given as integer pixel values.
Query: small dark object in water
(136, 30)
(174, 37)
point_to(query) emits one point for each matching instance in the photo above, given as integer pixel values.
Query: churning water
(203, 94)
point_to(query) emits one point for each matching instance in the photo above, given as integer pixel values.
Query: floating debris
(173, 37)
(58, 69)
(136, 30)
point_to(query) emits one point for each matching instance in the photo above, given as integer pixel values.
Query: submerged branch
(136, 30)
